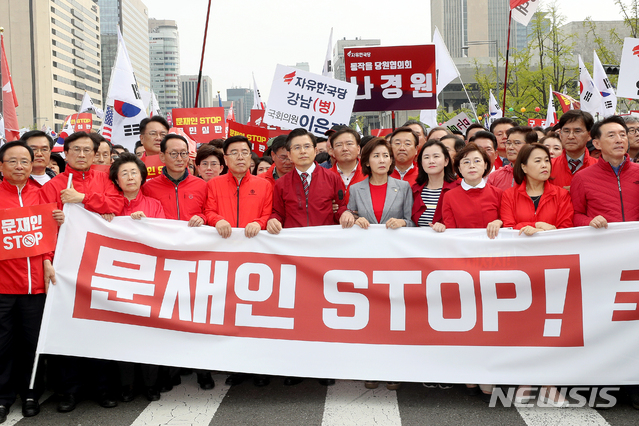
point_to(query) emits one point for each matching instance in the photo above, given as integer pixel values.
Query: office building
(188, 84)
(165, 63)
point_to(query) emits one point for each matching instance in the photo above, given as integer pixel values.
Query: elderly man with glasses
(152, 131)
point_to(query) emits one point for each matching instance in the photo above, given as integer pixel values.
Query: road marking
(542, 416)
(186, 404)
(348, 402)
(16, 410)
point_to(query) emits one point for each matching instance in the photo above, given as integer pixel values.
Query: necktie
(573, 164)
(305, 183)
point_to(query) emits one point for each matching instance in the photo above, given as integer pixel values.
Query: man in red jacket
(238, 199)
(404, 144)
(574, 131)
(23, 286)
(92, 188)
(344, 144)
(182, 195)
(518, 136)
(305, 197)
(606, 192)
(281, 161)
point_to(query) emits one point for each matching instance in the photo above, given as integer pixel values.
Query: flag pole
(199, 76)
(1, 91)
(510, 21)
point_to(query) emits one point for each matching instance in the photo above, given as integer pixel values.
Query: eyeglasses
(576, 132)
(467, 162)
(348, 145)
(631, 131)
(14, 163)
(132, 173)
(283, 158)
(235, 153)
(154, 134)
(305, 147)
(206, 164)
(407, 144)
(174, 155)
(42, 150)
(77, 150)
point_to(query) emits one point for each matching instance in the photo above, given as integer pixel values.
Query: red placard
(496, 288)
(381, 132)
(28, 231)
(82, 122)
(200, 124)
(153, 165)
(392, 78)
(258, 136)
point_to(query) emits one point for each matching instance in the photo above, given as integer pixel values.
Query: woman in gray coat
(380, 199)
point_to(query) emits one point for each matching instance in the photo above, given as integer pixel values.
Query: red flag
(231, 115)
(10, 102)
(566, 102)
(515, 3)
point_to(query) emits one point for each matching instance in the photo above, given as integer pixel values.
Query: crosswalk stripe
(16, 411)
(186, 404)
(350, 403)
(541, 416)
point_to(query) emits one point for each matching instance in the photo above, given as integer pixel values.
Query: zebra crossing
(309, 403)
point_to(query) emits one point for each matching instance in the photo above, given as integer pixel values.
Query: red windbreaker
(518, 210)
(598, 191)
(473, 208)
(293, 210)
(181, 201)
(410, 176)
(149, 206)
(101, 196)
(357, 177)
(560, 174)
(418, 204)
(502, 178)
(23, 275)
(239, 204)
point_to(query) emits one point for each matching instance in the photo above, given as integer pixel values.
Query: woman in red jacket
(534, 204)
(475, 203)
(435, 177)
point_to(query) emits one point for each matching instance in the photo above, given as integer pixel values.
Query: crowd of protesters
(578, 173)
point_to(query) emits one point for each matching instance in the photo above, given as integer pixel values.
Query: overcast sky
(248, 36)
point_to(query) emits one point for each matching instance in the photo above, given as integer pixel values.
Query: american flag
(107, 126)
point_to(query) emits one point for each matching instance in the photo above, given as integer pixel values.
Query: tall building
(132, 16)
(338, 54)
(243, 102)
(53, 50)
(188, 84)
(165, 63)
(467, 21)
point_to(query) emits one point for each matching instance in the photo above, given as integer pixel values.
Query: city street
(345, 403)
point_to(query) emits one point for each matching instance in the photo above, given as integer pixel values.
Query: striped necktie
(305, 183)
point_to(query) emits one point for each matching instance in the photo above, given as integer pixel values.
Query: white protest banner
(314, 102)
(628, 83)
(398, 305)
(461, 122)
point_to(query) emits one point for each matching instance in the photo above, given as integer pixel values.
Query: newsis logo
(574, 397)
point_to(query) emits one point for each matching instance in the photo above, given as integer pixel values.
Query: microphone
(340, 195)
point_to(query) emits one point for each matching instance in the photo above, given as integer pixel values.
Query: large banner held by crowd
(399, 305)
(302, 99)
(28, 231)
(392, 78)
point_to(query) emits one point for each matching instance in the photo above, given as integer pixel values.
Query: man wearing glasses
(182, 195)
(633, 136)
(152, 131)
(92, 188)
(574, 131)
(41, 144)
(281, 161)
(344, 145)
